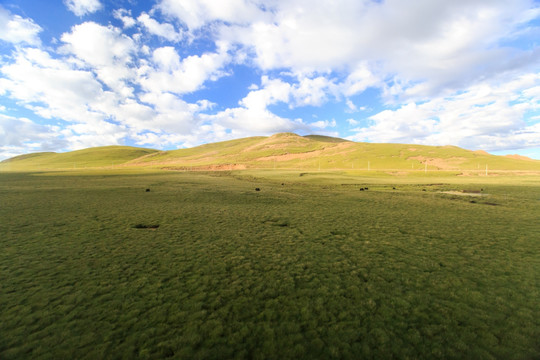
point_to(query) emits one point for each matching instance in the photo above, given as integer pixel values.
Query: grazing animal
(361, 189)
(257, 189)
(147, 190)
(393, 188)
(366, 188)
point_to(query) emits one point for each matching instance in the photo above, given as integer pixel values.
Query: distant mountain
(283, 150)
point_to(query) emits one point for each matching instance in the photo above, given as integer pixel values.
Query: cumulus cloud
(323, 124)
(105, 50)
(164, 30)
(50, 87)
(169, 73)
(16, 29)
(71, 89)
(124, 16)
(83, 7)
(425, 48)
(198, 13)
(254, 117)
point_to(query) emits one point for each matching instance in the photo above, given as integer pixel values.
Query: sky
(170, 74)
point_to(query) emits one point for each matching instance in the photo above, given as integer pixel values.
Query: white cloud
(173, 115)
(100, 133)
(197, 13)
(105, 50)
(71, 88)
(21, 135)
(165, 30)
(305, 91)
(483, 116)
(253, 116)
(56, 89)
(16, 29)
(15, 132)
(425, 47)
(125, 16)
(170, 74)
(271, 92)
(359, 80)
(351, 107)
(50, 87)
(313, 91)
(323, 124)
(83, 7)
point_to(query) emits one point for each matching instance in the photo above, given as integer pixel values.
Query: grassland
(419, 266)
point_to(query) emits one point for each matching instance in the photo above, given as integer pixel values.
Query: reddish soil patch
(442, 164)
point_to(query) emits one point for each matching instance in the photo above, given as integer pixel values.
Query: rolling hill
(104, 156)
(284, 150)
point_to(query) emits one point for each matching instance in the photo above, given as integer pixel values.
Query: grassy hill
(287, 150)
(105, 156)
(281, 151)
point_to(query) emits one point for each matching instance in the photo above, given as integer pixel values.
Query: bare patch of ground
(464, 193)
(220, 167)
(277, 141)
(442, 164)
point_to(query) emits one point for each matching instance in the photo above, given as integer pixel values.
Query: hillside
(105, 156)
(287, 150)
(284, 151)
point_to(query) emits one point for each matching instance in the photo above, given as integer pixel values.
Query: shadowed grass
(307, 269)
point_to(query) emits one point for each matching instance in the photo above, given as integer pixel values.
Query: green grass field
(202, 266)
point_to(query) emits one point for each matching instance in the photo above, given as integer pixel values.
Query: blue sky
(178, 73)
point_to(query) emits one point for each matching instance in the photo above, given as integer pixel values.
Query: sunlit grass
(282, 151)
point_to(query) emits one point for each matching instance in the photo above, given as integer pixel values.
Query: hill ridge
(281, 150)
